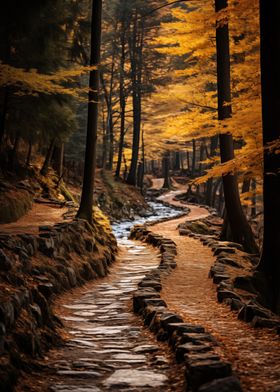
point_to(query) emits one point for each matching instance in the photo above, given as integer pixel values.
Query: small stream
(158, 211)
(108, 348)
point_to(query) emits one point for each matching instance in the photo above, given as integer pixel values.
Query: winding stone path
(254, 353)
(107, 346)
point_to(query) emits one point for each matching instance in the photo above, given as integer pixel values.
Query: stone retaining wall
(33, 270)
(205, 371)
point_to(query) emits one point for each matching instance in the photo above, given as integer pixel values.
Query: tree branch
(163, 6)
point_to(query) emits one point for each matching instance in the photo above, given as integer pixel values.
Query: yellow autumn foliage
(189, 103)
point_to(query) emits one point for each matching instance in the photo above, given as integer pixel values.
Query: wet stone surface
(108, 348)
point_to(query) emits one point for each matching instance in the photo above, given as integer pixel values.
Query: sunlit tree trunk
(270, 66)
(85, 210)
(239, 226)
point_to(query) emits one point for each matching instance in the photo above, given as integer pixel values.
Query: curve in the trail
(254, 354)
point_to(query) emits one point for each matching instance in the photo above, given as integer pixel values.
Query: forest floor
(254, 354)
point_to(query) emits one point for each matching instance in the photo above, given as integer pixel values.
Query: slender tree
(136, 57)
(85, 210)
(122, 95)
(240, 229)
(270, 66)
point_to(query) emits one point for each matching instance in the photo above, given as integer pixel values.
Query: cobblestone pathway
(107, 347)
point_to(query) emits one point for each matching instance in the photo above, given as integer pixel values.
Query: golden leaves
(31, 82)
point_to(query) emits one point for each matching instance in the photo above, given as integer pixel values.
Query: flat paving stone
(136, 378)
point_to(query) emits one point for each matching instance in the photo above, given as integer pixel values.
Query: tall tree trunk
(85, 210)
(209, 185)
(270, 66)
(122, 101)
(177, 161)
(136, 73)
(45, 168)
(193, 157)
(58, 159)
(104, 137)
(201, 157)
(254, 201)
(188, 162)
(165, 170)
(240, 228)
(214, 192)
(29, 152)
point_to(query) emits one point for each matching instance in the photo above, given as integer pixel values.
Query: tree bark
(270, 79)
(122, 102)
(165, 170)
(240, 228)
(193, 157)
(58, 159)
(209, 185)
(254, 202)
(45, 168)
(136, 73)
(29, 152)
(85, 210)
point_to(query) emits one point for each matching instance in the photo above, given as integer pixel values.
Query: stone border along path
(253, 353)
(205, 371)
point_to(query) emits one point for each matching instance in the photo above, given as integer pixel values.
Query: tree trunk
(104, 138)
(29, 152)
(58, 159)
(188, 162)
(45, 168)
(193, 157)
(201, 157)
(85, 210)
(240, 228)
(270, 77)
(136, 73)
(177, 161)
(165, 170)
(254, 202)
(209, 185)
(122, 102)
(214, 192)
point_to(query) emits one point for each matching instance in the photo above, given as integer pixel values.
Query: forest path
(254, 354)
(107, 347)
(41, 214)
